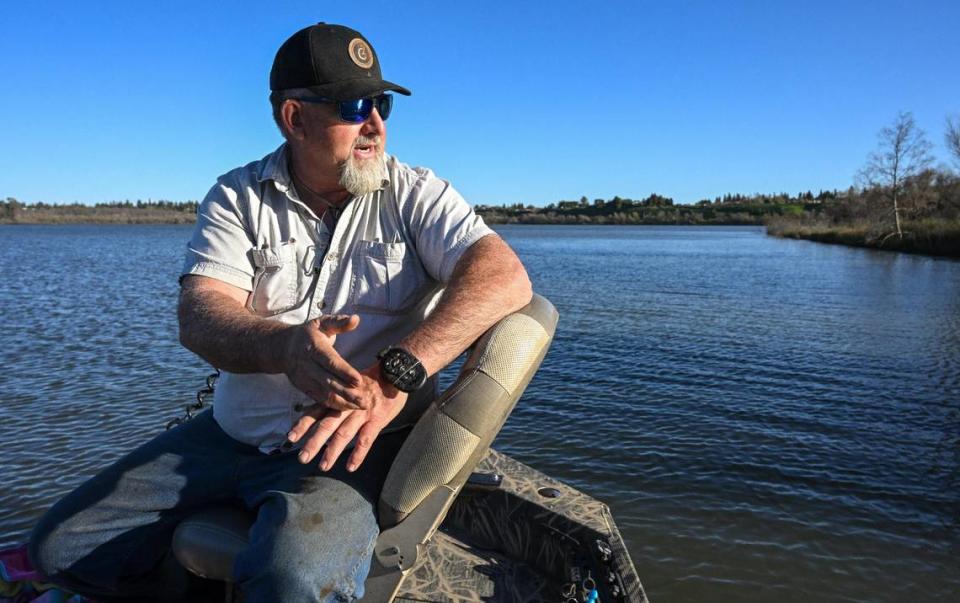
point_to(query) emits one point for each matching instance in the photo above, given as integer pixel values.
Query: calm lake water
(768, 419)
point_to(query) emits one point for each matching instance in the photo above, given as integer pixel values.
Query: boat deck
(530, 539)
(455, 572)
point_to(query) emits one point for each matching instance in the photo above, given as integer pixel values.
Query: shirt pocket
(276, 280)
(387, 278)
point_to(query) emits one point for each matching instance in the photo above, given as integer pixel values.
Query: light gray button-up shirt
(387, 260)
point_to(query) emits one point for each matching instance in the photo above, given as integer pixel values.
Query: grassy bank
(927, 205)
(929, 236)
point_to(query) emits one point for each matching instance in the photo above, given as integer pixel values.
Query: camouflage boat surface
(530, 539)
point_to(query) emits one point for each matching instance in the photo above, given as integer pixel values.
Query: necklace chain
(298, 182)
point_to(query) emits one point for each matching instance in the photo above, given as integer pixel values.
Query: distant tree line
(181, 206)
(654, 209)
(774, 199)
(161, 211)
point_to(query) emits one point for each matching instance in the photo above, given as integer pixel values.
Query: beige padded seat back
(452, 436)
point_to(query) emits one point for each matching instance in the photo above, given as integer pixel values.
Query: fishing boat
(460, 521)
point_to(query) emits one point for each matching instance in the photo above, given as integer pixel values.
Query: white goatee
(363, 176)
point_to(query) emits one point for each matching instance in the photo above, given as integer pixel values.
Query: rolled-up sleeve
(442, 223)
(221, 242)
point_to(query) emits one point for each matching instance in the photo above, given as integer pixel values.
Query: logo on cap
(360, 53)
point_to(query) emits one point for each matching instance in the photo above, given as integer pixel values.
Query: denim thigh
(111, 536)
(315, 531)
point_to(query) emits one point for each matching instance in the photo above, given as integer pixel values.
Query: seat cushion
(207, 543)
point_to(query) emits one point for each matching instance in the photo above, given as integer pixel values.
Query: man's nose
(374, 124)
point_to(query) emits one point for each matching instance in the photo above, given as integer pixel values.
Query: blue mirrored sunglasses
(357, 110)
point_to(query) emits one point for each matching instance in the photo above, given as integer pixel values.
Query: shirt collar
(274, 167)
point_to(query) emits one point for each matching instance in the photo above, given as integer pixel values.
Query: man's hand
(336, 428)
(316, 369)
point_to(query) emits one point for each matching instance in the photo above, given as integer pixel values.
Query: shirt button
(321, 304)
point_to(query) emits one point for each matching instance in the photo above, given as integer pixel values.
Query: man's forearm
(220, 330)
(488, 283)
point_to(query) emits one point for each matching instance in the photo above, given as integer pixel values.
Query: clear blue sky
(528, 102)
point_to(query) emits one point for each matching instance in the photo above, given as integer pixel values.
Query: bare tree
(952, 137)
(902, 152)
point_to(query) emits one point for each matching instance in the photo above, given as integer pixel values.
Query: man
(312, 282)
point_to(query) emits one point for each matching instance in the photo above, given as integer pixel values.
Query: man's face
(346, 153)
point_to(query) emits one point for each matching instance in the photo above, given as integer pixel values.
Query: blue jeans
(312, 540)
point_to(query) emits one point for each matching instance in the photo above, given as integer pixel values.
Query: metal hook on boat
(589, 584)
(590, 592)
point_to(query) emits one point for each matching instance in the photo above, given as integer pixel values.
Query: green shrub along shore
(654, 210)
(929, 237)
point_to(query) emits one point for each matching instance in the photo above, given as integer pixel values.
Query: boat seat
(433, 463)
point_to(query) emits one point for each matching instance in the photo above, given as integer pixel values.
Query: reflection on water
(767, 418)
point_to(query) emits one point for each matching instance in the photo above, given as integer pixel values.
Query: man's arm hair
(488, 283)
(216, 325)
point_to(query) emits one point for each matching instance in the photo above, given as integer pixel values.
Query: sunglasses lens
(384, 105)
(355, 111)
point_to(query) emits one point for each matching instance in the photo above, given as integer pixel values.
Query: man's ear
(291, 116)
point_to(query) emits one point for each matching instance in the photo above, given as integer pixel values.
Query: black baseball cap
(332, 60)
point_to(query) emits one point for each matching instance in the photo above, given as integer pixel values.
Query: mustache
(363, 141)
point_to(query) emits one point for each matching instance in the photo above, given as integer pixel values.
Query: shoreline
(936, 239)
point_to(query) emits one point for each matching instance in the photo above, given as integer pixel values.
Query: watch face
(391, 364)
(402, 369)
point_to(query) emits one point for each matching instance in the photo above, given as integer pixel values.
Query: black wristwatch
(402, 369)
